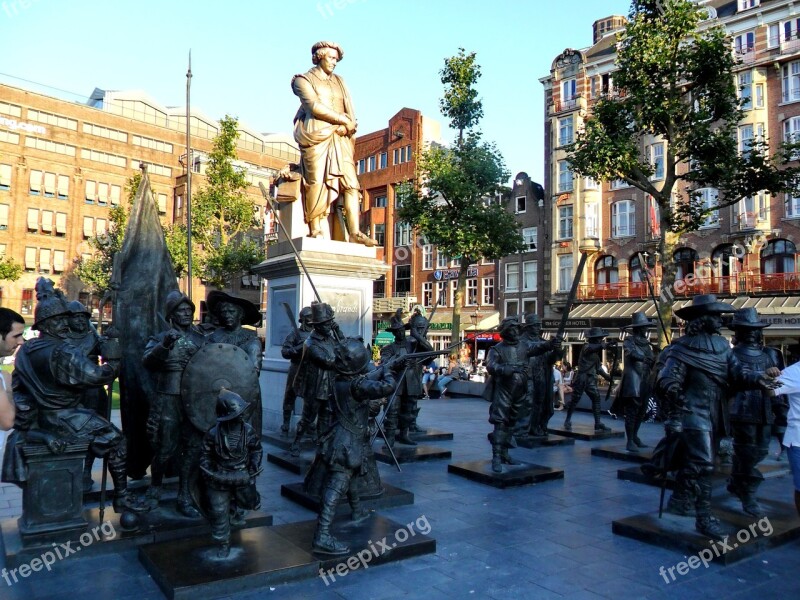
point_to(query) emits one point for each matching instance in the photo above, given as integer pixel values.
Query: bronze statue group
(706, 390)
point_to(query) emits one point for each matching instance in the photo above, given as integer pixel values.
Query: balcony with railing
(738, 284)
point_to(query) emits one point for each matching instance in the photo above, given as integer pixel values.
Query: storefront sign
(15, 125)
(382, 325)
(781, 320)
(453, 274)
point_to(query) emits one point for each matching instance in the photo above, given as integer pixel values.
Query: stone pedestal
(620, 453)
(342, 274)
(586, 433)
(512, 475)
(52, 499)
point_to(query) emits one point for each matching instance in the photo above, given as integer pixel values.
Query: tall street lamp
(475, 318)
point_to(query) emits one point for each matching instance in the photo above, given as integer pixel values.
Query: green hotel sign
(382, 325)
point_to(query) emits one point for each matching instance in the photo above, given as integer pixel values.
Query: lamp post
(475, 318)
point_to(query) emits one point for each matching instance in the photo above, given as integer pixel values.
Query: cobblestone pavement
(551, 540)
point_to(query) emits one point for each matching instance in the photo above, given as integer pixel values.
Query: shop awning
(617, 314)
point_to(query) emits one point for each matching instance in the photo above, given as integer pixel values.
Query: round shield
(213, 367)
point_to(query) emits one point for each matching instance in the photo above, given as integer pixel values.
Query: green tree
(222, 213)
(10, 270)
(452, 202)
(675, 80)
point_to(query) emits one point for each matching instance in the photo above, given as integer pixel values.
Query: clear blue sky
(245, 53)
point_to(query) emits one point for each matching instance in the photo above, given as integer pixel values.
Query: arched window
(684, 262)
(606, 270)
(778, 256)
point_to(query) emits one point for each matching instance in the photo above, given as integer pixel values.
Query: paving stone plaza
(548, 540)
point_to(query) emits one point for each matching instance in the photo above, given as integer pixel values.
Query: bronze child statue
(230, 461)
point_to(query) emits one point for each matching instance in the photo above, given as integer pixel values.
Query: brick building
(746, 253)
(64, 164)
(415, 270)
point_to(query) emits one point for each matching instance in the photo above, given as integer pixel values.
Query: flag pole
(189, 180)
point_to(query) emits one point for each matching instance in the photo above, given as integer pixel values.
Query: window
(792, 205)
(773, 35)
(653, 216)
(488, 291)
(512, 277)
(529, 279)
(61, 224)
(564, 272)
(379, 287)
(530, 238)
(26, 307)
(161, 201)
(111, 134)
(49, 185)
(44, 260)
(656, 152)
(88, 227)
(379, 233)
(635, 270)
(35, 183)
(592, 220)
(102, 194)
(519, 204)
(791, 133)
(748, 211)
(5, 177)
(362, 166)
(441, 260)
(441, 292)
(472, 291)
(512, 308)
(3, 216)
(565, 222)
(49, 146)
(380, 202)
(116, 192)
(104, 157)
(151, 143)
(427, 294)
(51, 119)
(371, 163)
(790, 82)
(384, 160)
(623, 219)
(427, 257)
(47, 221)
(709, 198)
(725, 262)
(402, 279)
(590, 184)
(618, 184)
(684, 258)
(30, 259)
(790, 31)
(606, 270)
(746, 90)
(564, 176)
(402, 234)
(565, 131)
(62, 188)
(744, 43)
(748, 135)
(569, 89)
(745, 4)
(154, 169)
(778, 256)
(33, 220)
(453, 286)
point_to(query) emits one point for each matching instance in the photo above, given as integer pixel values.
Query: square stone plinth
(586, 433)
(512, 475)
